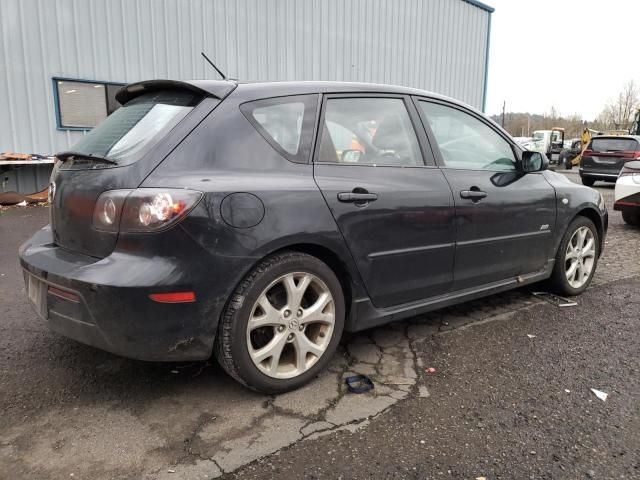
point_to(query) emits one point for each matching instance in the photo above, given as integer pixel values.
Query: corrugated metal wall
(438, 45)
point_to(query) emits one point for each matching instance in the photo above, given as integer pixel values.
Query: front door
(394, 210)
(504, 217)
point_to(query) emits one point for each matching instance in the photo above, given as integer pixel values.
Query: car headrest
(390, 135)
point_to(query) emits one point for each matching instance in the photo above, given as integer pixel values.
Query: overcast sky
(572, 54)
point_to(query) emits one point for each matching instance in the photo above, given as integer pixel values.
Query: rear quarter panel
(226, 155)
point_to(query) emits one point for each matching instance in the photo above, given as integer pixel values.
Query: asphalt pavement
(510, 396)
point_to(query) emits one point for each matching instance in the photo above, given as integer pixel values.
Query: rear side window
(283, 123)
(134, 128)
(286, 123)
(368, 131)
(613, 144)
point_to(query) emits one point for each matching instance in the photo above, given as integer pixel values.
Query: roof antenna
(213, 65)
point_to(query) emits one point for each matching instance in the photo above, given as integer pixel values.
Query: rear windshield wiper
(62, 156)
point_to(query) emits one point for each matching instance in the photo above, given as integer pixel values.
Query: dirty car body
(403, 237)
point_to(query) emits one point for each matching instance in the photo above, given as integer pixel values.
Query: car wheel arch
(595, 217)
(346, 274)
(334, 262)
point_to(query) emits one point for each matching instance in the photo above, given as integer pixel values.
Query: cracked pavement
(69, 409)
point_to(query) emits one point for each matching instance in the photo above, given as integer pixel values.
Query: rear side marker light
(173, 297)
(64, 294)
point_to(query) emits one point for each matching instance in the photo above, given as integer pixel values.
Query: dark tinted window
(613, 144)
(283, 123)
(132, 129)
(286, 123)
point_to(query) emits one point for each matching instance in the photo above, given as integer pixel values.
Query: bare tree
(618, 114)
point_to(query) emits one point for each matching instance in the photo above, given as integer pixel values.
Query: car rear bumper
(105, 303)
(599, 174)
(627, 194)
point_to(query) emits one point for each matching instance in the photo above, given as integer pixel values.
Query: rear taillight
(106, 214)
(143, 210)
(631, 154)
(587, 153)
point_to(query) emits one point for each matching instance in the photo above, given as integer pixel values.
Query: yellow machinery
(567, 156)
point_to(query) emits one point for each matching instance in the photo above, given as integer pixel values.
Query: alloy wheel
(291, 325)
(580, 257)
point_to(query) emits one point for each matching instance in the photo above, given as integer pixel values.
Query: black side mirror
(534, 162)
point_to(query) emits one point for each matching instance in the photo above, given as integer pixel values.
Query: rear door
(607, 155)
(505, 218)
(392, 205)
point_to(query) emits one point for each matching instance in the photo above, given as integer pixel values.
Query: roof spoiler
(217, 88)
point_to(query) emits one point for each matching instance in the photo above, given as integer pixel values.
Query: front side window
(132, 129)
(466, 142)
(368, 131)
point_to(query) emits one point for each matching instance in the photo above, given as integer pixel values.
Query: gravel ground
(503, 405)
(497, 406)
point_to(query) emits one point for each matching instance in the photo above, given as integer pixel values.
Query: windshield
(538, 136)
(131, 130)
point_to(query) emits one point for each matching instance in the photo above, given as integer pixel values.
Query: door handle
(357, 197)
(472, 194)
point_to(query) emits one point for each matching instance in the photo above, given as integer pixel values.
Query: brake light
(173, 297)
(143, 210)
(587, 153)
(631, 154)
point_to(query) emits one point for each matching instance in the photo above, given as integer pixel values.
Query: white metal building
(61, 61)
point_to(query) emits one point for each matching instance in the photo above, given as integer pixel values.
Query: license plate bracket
(37, 295)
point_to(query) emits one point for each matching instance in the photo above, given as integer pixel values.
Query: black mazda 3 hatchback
(258, 221)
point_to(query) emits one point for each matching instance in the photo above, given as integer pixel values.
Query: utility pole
(503, 105)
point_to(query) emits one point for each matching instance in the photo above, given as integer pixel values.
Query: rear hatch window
(129, 132)
(613, 145)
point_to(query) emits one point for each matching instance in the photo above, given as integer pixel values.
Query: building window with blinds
(81, 105)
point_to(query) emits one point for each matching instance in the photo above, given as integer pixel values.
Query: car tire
(631, 217)
(589, 182)
(261, 313)
(560, 282)
(566, 160)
